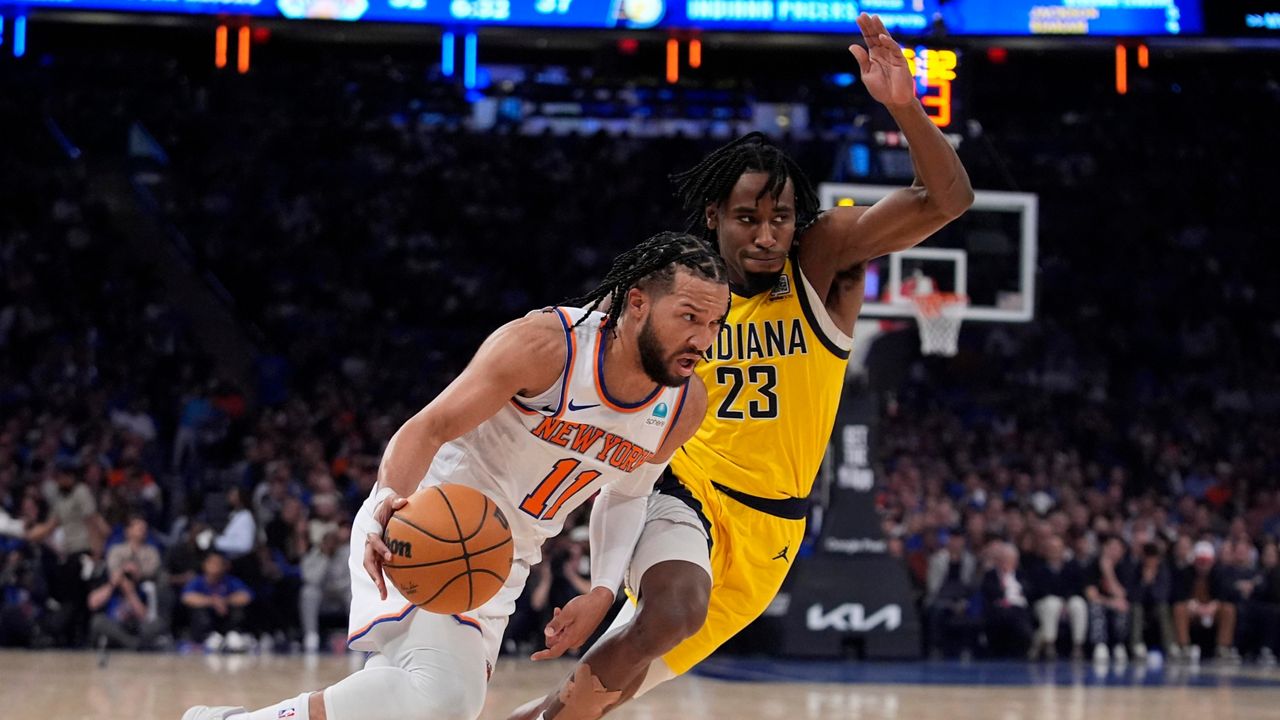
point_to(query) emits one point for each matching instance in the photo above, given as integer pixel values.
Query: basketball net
(939, 316)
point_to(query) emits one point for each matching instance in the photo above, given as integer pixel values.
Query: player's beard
(654, 358)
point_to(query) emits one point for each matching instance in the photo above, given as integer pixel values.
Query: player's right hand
(375, 551)
(573, 626)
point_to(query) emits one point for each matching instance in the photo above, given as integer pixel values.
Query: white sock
(292, 709)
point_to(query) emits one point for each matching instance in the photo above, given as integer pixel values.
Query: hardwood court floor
(63, 686)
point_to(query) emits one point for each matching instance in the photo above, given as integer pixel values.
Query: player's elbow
(427, 430)
(955, 202)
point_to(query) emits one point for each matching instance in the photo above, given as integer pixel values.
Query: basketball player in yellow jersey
(774, 378)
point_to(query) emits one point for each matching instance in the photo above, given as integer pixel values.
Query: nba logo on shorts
(661, 410)
(287, 713)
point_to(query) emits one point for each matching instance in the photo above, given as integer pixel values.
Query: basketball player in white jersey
(612, 394)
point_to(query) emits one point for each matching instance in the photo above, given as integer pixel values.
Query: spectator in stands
(1057, 592)
(274, 612)
(1204, 598)
(271, 494)
(324, 516)
(136, 420)
(326, 584)
(1246, 578)
(132, 570)
(1266, 603)
(73, 512)
(1180, 559)
(182, 564)
(125, 608)
(23, 593)
(195, 428)
(217, 602)
(1007, 617)
(237, 538)
(136, 550)
(133, 490)
(288, 533)
(1107, 583)
(948, 592)
(11, 527)
(1153, 588)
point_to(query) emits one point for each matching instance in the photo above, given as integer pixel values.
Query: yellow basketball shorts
(753, 543)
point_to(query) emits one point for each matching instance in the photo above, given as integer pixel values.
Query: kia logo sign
(852, 617)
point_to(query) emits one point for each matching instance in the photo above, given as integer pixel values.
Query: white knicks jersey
(539, 458)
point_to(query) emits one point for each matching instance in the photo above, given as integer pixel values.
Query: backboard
(988, 255)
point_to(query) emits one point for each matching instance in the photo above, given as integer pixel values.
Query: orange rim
(931, 305)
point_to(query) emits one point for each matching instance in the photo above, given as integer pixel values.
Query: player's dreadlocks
(711, 181)
(651, 265)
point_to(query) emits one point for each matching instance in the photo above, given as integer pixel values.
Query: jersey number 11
(538, 503)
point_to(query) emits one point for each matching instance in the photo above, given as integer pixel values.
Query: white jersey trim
(822, 316)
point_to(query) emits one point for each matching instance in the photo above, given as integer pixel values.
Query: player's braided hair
(711, 181)
(651, 265)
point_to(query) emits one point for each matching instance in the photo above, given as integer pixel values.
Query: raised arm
(845, 237)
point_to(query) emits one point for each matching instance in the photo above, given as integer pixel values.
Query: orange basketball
(450, 548)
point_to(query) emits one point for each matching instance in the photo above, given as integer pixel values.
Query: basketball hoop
(939, 316)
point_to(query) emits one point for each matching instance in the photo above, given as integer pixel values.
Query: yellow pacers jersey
(773, 382)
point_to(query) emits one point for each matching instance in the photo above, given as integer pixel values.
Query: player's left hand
(884, 68)
(571, 627)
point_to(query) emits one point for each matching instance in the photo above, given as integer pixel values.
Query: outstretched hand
(571, 627)
(885, 71)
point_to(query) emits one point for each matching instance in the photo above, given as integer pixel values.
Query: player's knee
(660, 628)
(671, 612)
(452, 705)
(447, 701)
(452, 712)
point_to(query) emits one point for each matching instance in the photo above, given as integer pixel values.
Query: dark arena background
(242, 241)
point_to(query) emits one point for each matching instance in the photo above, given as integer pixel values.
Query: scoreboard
(959, 17)
(903, 17)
